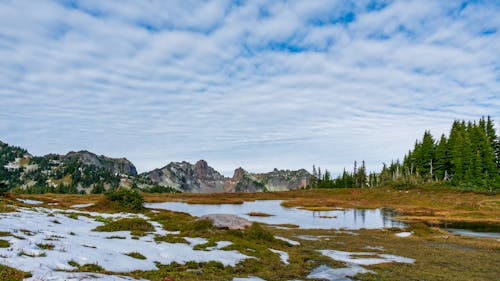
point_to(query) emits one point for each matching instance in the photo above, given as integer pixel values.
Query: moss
(12, 274)
(46, 246)
(169, 238)
(91, 267)
(4, 244)
(256, 232)
(126, 224)
(136, 255)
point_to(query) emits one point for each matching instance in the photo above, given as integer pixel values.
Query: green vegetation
(128, 198)
(4, 243)
(91, 267)
(468, 159)
(136, 255)
(126, 224)
(11, 274)
(46, 246)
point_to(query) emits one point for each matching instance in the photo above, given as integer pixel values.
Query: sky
(257, 84)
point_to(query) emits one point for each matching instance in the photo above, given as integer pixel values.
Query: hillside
(86, 172)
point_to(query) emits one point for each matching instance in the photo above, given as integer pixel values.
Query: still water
(337, 219)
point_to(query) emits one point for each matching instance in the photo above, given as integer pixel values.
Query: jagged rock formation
(242, 181)
(115, 165)
(282, 180)
(84, 171)
(200, 177)
(187, 177)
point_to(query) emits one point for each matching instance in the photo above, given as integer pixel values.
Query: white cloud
(259, 85)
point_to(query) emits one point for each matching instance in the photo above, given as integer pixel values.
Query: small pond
(336, 219)
(474, 229)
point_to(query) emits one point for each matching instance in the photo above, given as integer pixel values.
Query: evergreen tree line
(468, 158)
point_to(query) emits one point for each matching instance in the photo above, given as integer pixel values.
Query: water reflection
(336, 219)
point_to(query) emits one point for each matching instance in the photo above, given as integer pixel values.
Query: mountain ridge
(86, 172)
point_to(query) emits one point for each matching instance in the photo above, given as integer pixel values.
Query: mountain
(86, 172)
(186, 177)
(114, 165)
(242, 181)
(73, 172)
(282, 180)
(200, 177)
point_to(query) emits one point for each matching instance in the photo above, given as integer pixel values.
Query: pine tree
(442, 160)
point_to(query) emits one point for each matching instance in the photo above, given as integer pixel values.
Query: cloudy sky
(258, 84)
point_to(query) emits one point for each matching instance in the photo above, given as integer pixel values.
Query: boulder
(227, 221)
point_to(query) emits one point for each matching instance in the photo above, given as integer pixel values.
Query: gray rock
(114, 165)
(227, 221)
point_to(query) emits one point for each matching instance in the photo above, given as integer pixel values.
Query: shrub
(4, 189)
(256, 232)
(136, 255)
(126, 224)
(4, 244)
(128, 198)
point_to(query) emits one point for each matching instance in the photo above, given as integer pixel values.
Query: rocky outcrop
(242, 181)
(187, 177)
(282, 180)
(200, 177)
(114, 165)
(227, 221)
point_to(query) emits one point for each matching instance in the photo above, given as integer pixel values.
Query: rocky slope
(282, 180)
(70, 173)
(86, 172)
(200, 177)
(114, 165)
(187, 177)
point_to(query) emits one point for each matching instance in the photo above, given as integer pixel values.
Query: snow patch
(283, 255)
(337, 274)
(29, 201)
(74, 240)
(349, 257)
(250, 278)
(291, 242)
(77, 206)
(404, 234)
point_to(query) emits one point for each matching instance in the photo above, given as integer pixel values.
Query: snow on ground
(251, 278)
(308, 237)
(77, 206)
(378, 248)
(74, 240)
(353, 264)
(29, 201)
(79, 276)
(350, 257)
(324, 272)
(220, 244)
(292, 242)
(283, 255)
(404, 234)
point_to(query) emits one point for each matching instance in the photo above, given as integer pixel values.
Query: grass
(259, 214)
(23, 253)
(89, 267)
(439, 255)
(136, 255)
(11, 274)
(46, 246)
(126, 224)
(4, 244)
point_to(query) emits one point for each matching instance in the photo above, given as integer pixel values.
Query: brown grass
(259, 214)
